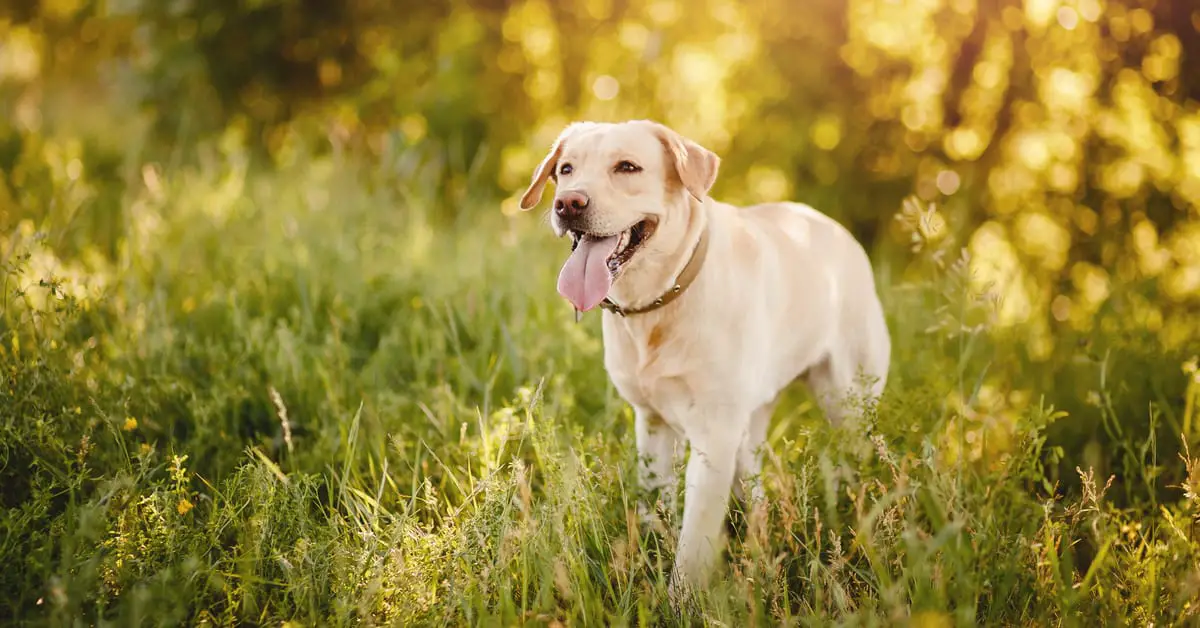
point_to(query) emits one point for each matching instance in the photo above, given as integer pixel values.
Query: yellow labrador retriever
(710, 310)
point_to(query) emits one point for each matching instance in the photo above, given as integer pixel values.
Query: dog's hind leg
(831, 380)
(855, 372)
(749, 456)
(657, 446)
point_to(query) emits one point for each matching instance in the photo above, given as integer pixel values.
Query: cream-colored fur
(784, 293)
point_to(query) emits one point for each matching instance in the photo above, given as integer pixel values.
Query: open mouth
(629, 242)
(595, 261)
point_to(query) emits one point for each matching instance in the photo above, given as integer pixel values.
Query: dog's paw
(691, 575)
(683, 595)
(679, 592)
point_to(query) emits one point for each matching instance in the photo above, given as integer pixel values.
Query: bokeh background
(1050, 147)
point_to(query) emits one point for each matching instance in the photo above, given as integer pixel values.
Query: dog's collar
(685, 279)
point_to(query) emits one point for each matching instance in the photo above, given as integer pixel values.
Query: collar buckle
(607, 304)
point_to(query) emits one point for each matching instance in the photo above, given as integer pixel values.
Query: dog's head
(615, 183)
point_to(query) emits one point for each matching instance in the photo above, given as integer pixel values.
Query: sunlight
(827, 132)
(19, 57)
(606, 87)
(769, 184)
(1067, 90)
(1152, 258)
(1182, 283)
(1042, 238)
(85, 280)
(995, 266)
(1091, 284)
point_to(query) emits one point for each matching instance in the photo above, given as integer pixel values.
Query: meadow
(303, 400)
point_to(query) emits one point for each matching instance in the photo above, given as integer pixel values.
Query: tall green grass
(294, 396)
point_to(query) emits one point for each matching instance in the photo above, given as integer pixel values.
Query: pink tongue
(584, 279)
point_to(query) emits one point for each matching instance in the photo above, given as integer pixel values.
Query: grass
(297, 397)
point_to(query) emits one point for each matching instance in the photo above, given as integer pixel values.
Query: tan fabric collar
(685, 279)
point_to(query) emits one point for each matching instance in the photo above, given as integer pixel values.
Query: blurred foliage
(1063, 134)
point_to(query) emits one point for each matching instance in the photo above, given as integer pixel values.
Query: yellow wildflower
(184, 506)
(130, 424)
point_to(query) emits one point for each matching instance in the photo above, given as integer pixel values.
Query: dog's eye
(566, 169)
(627, 166)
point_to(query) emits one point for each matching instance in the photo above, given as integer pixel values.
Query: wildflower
(130, 424)
(145, 449)
(184, 506)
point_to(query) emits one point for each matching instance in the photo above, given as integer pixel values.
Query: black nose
(570, 204)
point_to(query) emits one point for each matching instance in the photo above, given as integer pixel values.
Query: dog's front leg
(709, 478)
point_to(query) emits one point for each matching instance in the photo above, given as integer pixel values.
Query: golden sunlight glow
(1091, 284)
(1042, 238)
(1162, 61)
(769, 184)
(827, 132)
(1151, 257)
(1039, 12)
(19, 56)
(606, 87)
(995, 265)
(1067, 90)
(1089, 9)
(1068, 18)
(948, 182)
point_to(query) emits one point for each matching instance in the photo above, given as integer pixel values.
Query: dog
(709, 312)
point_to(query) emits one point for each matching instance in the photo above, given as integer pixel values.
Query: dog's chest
(649, 365)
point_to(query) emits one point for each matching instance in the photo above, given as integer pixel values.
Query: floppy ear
(697, 166)
(546, 169)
